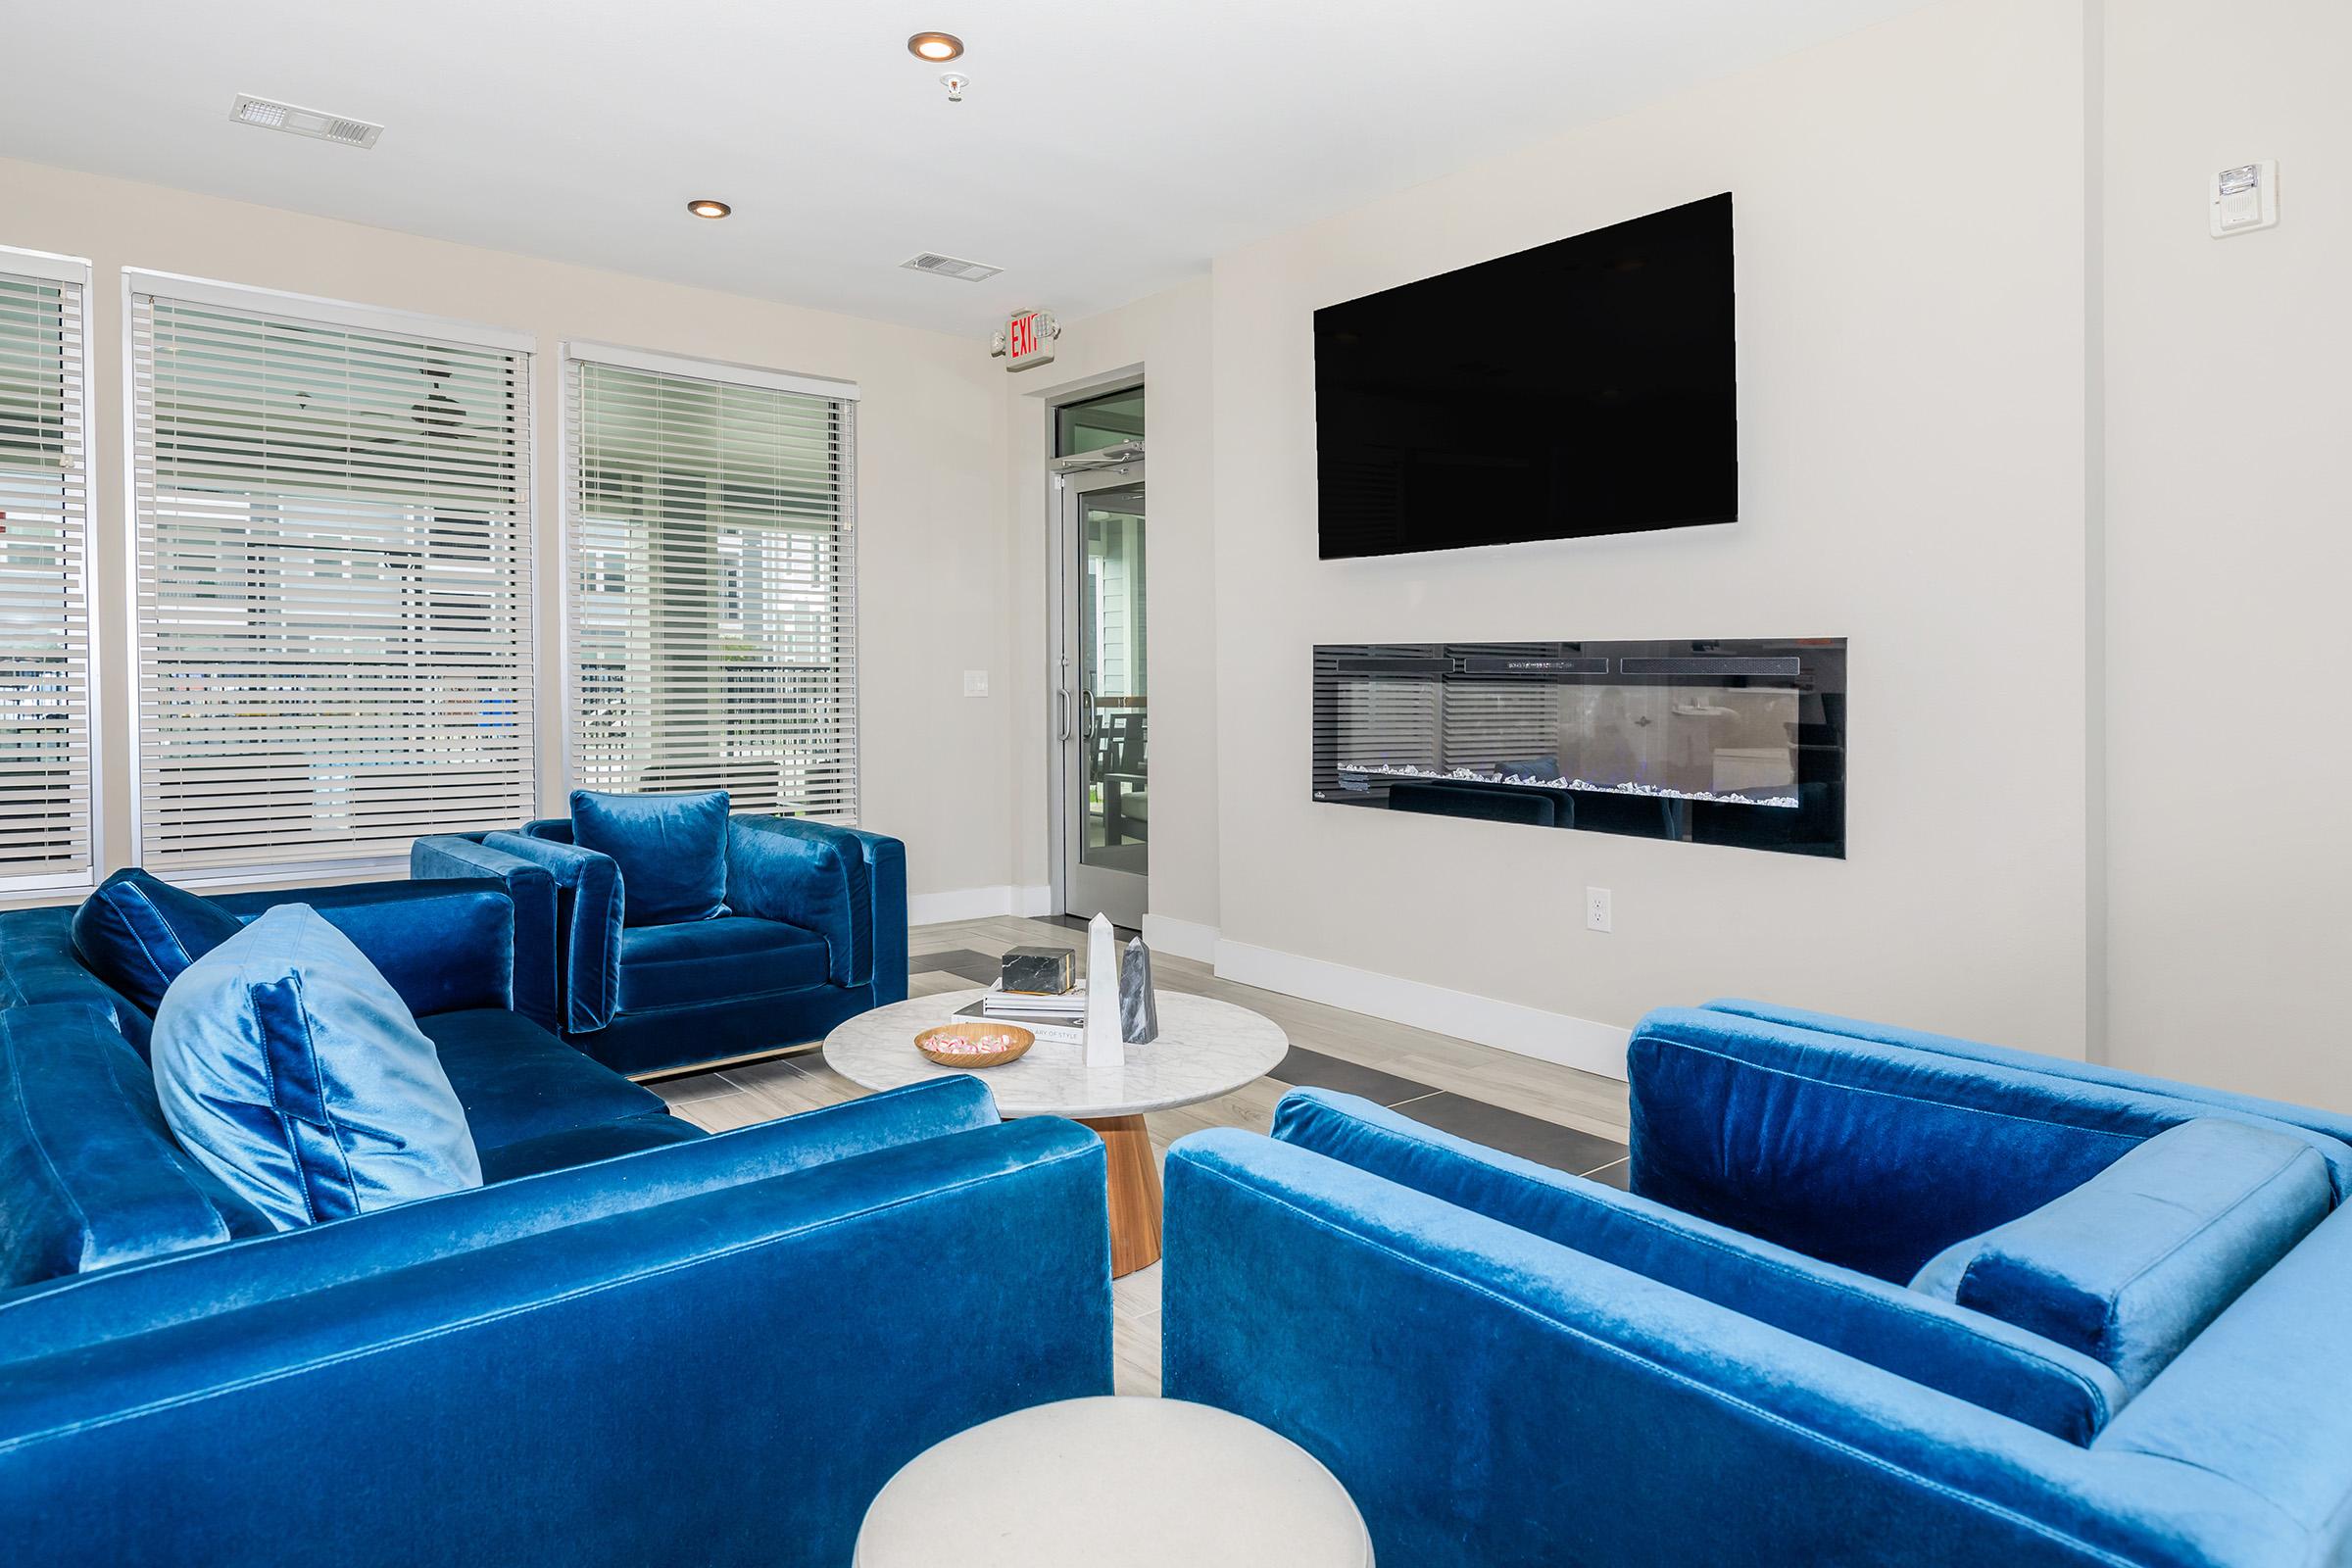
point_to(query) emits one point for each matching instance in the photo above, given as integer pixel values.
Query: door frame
(1056, 638)
(1066, 736)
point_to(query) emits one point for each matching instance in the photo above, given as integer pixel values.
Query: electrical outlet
(975, 683)
(1596, 908)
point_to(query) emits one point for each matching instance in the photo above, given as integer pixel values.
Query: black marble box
(1043, 971)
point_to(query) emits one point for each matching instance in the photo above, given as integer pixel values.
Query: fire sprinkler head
(954, 81)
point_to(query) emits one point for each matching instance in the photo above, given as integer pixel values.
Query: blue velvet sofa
(635, 1342)
(1875, 1297)
(814, 933)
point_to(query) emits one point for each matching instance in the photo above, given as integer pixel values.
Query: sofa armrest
(543, 1400)
(1932, 1343)
(442, 857)
(847, 886)
(589, 902)
(1490, 1398)
(444, 945)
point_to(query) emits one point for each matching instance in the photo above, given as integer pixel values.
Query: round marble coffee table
(1142, 1483)
(1205, 1048)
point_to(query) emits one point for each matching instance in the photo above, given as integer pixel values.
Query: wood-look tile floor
(1556, 1115)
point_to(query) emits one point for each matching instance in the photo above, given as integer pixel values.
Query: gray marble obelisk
(1139, 1013)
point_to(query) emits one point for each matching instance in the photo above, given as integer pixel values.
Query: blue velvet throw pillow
(671, 850)
(292, 1070)
(139, 932)
(2133, 1264)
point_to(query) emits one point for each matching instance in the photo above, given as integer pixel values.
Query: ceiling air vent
(951, 267)
(270, 114)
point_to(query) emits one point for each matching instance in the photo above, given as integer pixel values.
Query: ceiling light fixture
(705, 206)
(935, 47)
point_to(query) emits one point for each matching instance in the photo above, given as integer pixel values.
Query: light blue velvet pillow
(671, 850)
(291, 1069)
(139, 932)
(2133, 1264)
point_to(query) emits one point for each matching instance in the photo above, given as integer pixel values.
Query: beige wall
(931, 434)
(1165, 341)
(2228, 542)
(1912, 340)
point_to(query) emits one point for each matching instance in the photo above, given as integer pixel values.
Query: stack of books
(1058, 1015)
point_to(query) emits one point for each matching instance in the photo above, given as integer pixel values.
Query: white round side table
(1206, 1048)
(1115, 1483)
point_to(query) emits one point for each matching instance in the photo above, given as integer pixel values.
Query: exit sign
(1027, 339)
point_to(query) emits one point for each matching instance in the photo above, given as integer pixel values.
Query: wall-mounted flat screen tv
(1589, 386)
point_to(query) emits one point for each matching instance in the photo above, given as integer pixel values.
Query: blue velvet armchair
(635, 1344)
(815, 932)
(1876, 1297)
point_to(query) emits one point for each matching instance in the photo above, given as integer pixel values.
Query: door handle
(1086, 713)
(1062, 712)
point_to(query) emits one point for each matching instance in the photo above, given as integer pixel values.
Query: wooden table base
(1134, 1193)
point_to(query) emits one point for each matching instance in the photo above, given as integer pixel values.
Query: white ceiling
(1103, 152)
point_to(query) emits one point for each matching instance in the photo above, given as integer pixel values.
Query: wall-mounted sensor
(2245, 199)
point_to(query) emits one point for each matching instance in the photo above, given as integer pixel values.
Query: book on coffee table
(1063, 1029)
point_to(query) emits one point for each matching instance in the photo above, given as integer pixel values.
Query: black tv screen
(1589, 386)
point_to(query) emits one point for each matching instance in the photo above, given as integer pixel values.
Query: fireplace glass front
(1737, 742)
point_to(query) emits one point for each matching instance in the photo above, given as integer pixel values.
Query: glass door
(1105, 695)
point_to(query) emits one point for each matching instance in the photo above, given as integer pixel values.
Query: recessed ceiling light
(935, 46)
(706, 207)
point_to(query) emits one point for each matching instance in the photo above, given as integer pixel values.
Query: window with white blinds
(713, 522)
(334, 579)
(46, 837)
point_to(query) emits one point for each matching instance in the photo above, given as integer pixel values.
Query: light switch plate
(2245, 199)
(975, 683)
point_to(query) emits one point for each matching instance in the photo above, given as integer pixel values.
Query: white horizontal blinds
(334, 624)
(714, 604)
(45, 809)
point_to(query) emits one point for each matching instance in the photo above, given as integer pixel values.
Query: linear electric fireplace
(1739, 741)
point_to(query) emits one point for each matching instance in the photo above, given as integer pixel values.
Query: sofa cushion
(518, 1082)
(678, 966)
(38, 966)
(139, 932)
(90, 1176)
(2133, 1264)
(584, 1145)
(291, 1069)
(671, 850)
(1962, 1354)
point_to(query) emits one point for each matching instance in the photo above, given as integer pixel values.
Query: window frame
(574, 354)
(346, 315)
(77, 272)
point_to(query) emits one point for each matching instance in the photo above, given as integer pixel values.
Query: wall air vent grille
(270, 114)
(951, 267)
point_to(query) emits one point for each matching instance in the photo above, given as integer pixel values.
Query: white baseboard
(1555, 1037)
(976, 904)
(1184, 939)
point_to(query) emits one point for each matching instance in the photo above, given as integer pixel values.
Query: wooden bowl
(974, 1043)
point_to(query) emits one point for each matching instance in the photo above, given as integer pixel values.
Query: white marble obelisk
(1105, 1048)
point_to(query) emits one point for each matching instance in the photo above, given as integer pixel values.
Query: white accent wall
(1912, 321)
(2228, 549)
